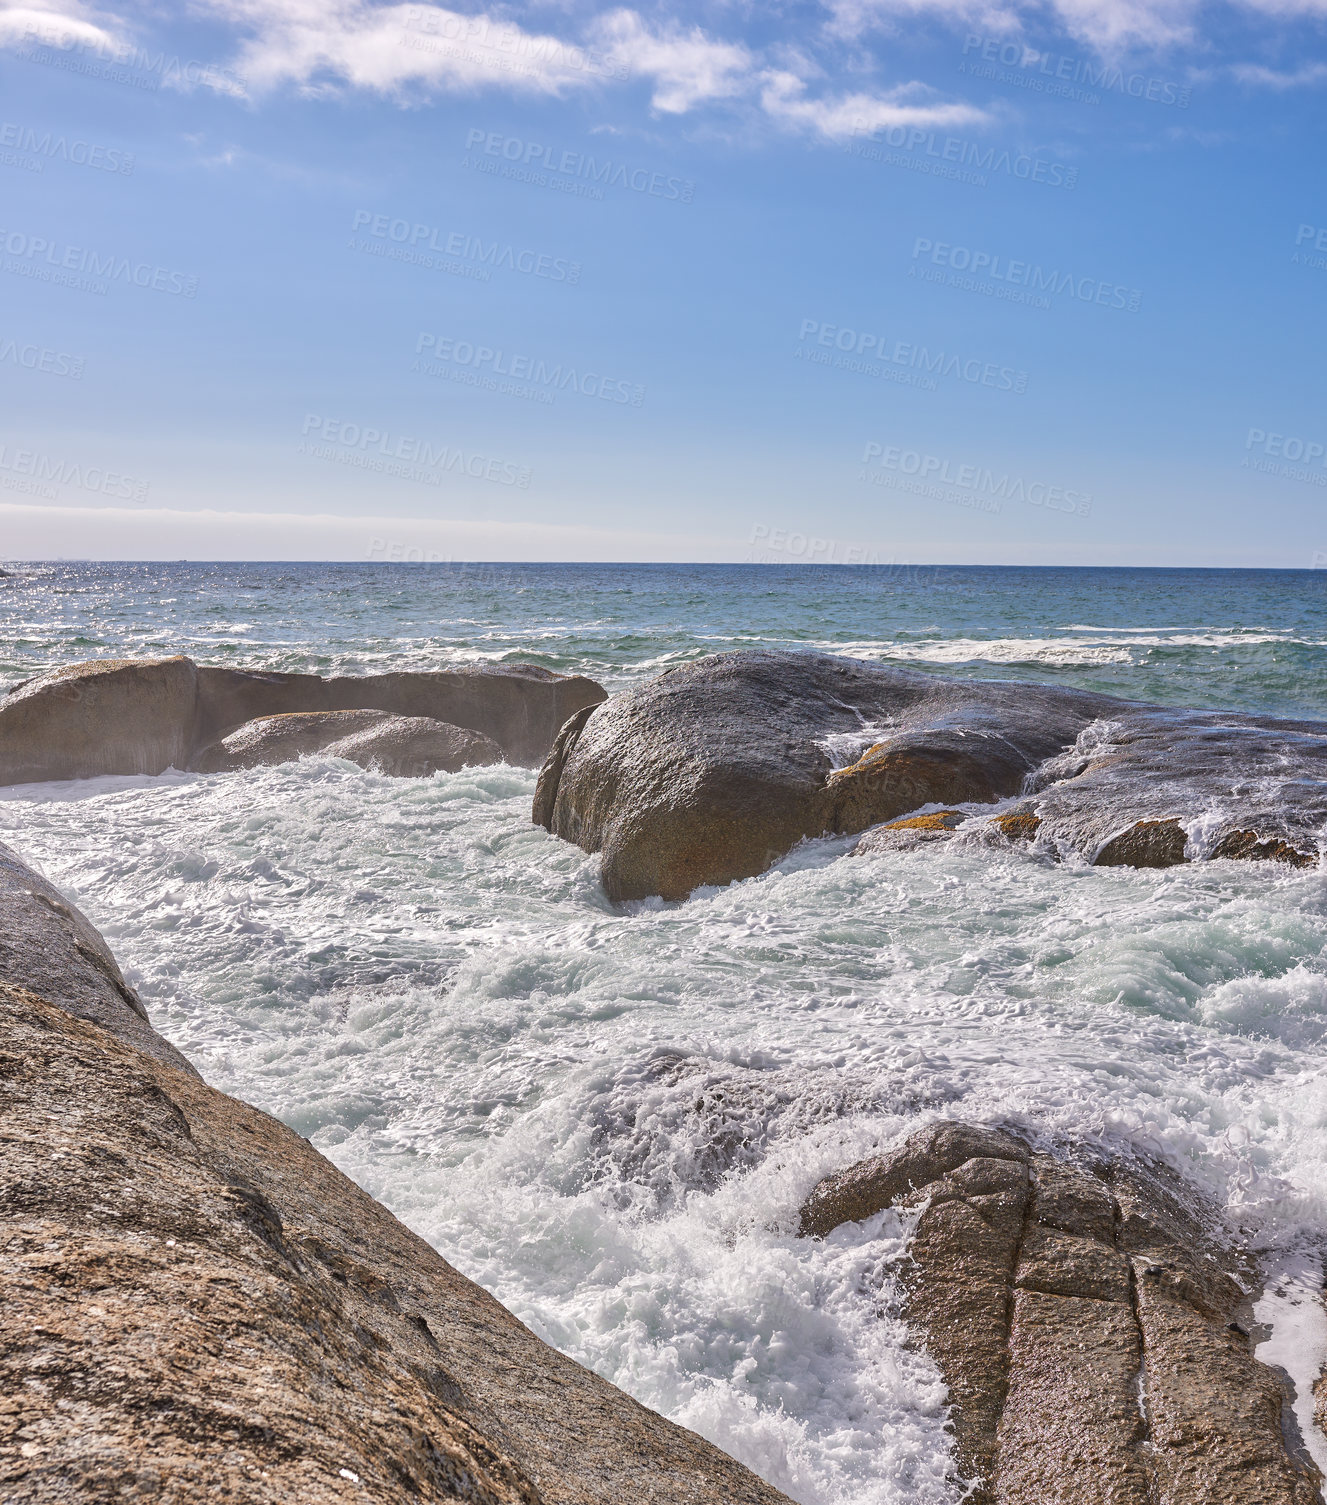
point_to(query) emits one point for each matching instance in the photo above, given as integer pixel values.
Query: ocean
(609, 1115)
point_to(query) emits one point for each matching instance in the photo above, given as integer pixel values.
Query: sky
(859, 281)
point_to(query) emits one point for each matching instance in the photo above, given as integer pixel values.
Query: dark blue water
(1247, 639)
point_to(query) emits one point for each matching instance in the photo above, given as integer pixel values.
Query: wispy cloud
(784, 98)
(1305, 76)
(1105, 25)
(324, 45)
(63, 22)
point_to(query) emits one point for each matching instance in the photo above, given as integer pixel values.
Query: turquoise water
(609, 1116)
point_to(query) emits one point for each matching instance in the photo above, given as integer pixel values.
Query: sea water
(610, 1115)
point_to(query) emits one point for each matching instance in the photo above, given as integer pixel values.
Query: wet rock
(716, 769)
(1017, 826)
(147, 715)
(1149, 843)
(49, 947)
(1084, 1321)
(1247, 846)
(916, 830)
(195, 1306)
(670, 1124)
(403, 746)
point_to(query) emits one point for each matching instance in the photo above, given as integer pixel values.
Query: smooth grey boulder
(142, 716)
(402, 746)
(50, 948)
(715, 770)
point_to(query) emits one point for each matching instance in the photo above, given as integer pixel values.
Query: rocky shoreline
(198, 1306)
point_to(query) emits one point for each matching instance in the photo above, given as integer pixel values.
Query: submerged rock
(196, 1306)
(715, 770)
(403, 746)
(142, 716)
(1088, 1322)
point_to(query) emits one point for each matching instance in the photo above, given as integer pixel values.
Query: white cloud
(391, 49)
(784, 98)
(59, 24)
(687, 68)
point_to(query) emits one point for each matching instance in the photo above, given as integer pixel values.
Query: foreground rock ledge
(142, 716)
(1093, 1334)
(195, 1306)
(715, 770)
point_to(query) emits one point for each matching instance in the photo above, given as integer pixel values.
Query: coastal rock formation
(198, 1307)
(1091, 1329)
(142, 716)
(49, 947)
(403, 746)
(716, 769)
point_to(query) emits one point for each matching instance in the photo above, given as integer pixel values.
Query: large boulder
(716, 769)
(50, 947)
(403, 746)
(126, 716)
(108, 716)
(1089, 1320)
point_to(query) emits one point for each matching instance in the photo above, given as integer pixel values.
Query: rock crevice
(1086, 1322)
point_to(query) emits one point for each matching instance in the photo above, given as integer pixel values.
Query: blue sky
(977, 281)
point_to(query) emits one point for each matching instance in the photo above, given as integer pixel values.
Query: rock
(1246, 846)
(1148, 843)
(716, 769)
(147, 715)
(916, 830)
(1084, 1321)
(50, 948)
(121, 716)
(713, 771)
(197, 1307)
(403, 746)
